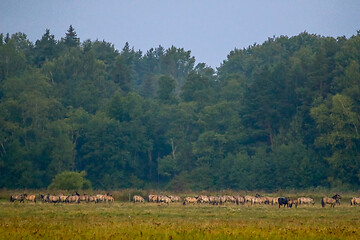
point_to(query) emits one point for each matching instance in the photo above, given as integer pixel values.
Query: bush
(68, 180)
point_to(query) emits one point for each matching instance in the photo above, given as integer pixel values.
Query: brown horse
(31, 198)
(137, 198)
(355, 201)
(332, 201)
(108, 198)
(52, 199)
(73, 199)
(305, 200)
(19, 198)
(84, 198)
(192, 200)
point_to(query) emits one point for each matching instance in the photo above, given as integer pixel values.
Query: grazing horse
(239, 200)
(190, 200)
(100, 197)
(214, 200)
(203, 199)
(93, 199)
(332, 201)
(42, 197)
(293, 202)
(257, 200)
(305, 200)
(84, 198)
(163, 199)
(63, 198)
(275, 200)
(52, 199)
(152, 198)
(31, 198)
(19, 198)
(74, 198)
(108, 198)
(175, 198)
(284, 201)
(137, 198)
(248, 199)
(355, 201)
(230, 199)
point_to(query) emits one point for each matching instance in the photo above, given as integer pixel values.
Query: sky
(209, 29)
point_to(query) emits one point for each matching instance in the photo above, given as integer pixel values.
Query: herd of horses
(201, 199)
(74, 198)
(250, 200)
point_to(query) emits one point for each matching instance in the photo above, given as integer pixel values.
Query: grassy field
(123, 220)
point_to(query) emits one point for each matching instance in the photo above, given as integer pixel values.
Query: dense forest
(276, 115)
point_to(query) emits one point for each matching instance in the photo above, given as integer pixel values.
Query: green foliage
(68, 180)
(282, 114)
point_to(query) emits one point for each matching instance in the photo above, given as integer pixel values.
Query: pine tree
(71, 39)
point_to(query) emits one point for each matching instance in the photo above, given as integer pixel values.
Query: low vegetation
(152, 221)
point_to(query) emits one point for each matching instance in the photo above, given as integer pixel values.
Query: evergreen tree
(71, 39)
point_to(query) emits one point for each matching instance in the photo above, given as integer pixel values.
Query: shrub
(69, 180)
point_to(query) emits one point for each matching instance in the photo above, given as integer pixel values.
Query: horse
(108, 198)
(203, 199)
(293, 202)
(248, 199)
(93, 199)
(332, 201)
(137, 198)
(190, 200)
(305, 200)
(214, 200)
(355, 201)
(269, 200)
(163, 199)
(74, 198)
(152, 198)
(53, 199)
(175, 198)
(100, 197)
(284, 201)
(257, 200)
(239, 200)
(84, 198)
(31, 198)
(19, 198)
(63, 198)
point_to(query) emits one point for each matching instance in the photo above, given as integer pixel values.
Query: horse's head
(337, 197)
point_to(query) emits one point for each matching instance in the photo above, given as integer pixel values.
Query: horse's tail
(322, 202)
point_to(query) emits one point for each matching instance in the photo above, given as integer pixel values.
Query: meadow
(125, 220)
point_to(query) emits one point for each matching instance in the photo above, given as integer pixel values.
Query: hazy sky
(210, 29)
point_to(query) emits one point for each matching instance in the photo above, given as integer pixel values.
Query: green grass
(152, 221)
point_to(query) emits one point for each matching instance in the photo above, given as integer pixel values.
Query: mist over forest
(284, 114)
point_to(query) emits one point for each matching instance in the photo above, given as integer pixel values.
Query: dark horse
(332, 201)
(284, 201)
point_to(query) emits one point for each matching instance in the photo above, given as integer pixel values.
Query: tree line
(281, 114)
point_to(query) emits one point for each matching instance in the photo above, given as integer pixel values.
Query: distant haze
(210, 29)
